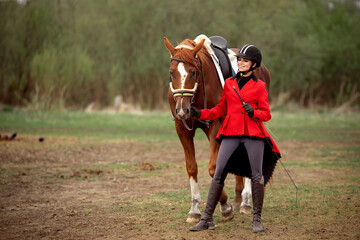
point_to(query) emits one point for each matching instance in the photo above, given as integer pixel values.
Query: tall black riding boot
(207, 221)
(258, 199)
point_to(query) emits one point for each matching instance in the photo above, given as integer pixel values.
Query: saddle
(220, 47)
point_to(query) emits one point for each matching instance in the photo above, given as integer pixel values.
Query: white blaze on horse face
(195, 197)
(182, 112)
(183, 74)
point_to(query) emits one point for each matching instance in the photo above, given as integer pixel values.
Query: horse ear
(198, 47)
(169, 46)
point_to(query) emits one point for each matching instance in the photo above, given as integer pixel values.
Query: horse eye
(171, 75)
(193, 74)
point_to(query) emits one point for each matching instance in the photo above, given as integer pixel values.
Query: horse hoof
(245, 210)
(193, 218)
(237, 206)
(227, 214)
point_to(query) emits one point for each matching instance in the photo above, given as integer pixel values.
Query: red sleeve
(216, 112)
(262, 112)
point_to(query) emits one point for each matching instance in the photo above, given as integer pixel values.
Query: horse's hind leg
(245, 207)
(226, 210)
(239, 186)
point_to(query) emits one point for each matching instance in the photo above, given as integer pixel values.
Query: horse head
(185, 74)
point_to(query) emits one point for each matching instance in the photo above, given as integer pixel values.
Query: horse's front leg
(225, 207)
(186, 138)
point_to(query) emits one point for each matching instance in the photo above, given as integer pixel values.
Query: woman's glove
(194, 112)
(249, 109)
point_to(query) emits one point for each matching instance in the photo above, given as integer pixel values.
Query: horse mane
(187, 56)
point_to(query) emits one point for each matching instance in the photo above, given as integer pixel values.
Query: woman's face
(244, 64)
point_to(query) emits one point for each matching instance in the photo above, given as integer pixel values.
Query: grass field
(122, 176)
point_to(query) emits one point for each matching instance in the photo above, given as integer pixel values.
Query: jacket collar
(246, 87)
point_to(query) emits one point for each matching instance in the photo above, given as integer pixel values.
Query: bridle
(183, 91)
(190, 92)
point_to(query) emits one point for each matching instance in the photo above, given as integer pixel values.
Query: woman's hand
(249, 109)
(194, 112)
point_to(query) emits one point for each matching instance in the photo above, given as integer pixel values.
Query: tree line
(67, 53)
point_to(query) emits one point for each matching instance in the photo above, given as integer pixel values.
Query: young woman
(246, 148)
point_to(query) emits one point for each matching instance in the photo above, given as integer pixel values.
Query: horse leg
(194, 214)
(225, 207)
(186, 139)
(245, 207)
(239, 186)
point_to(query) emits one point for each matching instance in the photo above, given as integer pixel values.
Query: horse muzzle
(183, 98)
(182, 108)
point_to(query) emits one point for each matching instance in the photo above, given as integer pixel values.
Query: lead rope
(206, 122)
(186, 125)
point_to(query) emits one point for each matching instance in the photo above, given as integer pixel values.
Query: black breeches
(255, 152)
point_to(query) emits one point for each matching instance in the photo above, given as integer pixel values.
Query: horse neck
(213, 88)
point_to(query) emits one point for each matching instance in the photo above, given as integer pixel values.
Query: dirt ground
(65, 188)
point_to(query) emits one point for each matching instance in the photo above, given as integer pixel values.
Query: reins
(190, 93)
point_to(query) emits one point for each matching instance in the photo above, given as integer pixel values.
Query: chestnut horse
(192, 73)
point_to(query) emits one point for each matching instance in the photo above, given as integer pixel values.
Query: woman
(241, 134)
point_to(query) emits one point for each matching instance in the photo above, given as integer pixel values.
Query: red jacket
(237, 122)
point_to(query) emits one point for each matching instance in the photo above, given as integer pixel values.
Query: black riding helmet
(252, 53)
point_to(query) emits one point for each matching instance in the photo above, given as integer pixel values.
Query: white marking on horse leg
(194, 213)
(227, 211)
(183, 74)
(246, 193)
(245, 206)
(225, 208)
